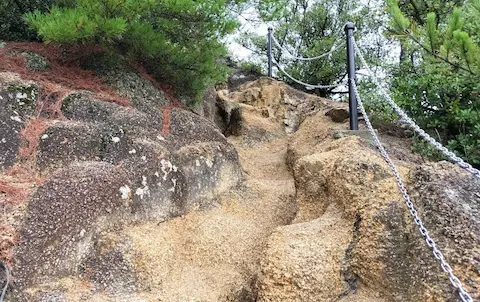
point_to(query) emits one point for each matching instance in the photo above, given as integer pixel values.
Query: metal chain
(454, 158)
(430, 242)
(286, 52)
(307, 86)
(7, 281)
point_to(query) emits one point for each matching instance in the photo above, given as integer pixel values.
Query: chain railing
(449, 154)
(464, 295)
(7, 281)
(272, 41)
(306, 85)
(353, 50)
(335, 46)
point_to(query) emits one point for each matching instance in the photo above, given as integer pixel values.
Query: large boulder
(63, 216)
(277, 101)
(17, 100)
(386, 253)
(303, 261)
(448, 200)
(97, 167)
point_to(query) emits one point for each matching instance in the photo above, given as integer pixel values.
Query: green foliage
(378, 110)
(417, 10)
(307, 29)
(250, 67)
(12, 25)
(439, 85)
(399, 22)
(178, 40)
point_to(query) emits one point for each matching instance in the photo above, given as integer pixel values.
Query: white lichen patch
(167, 168)
(140, 192)
(156, 174)
(159, 137)
(197, 163)
(45, 136)
(133, 151)
(16, 119)
(21, 96)
(145, 191)
(126, 192)
(172, 189)
(115, 139)
(209, 162)
(3, 140)
(144, 158)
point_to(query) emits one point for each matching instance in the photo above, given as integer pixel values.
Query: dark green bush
(12, 24)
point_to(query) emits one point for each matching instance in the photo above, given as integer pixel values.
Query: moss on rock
(35, 62)
(24, 97)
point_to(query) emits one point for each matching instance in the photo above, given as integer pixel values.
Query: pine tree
(438, 85)
(179, 40)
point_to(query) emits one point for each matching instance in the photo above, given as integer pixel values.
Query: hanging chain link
(411, 207)
(7, 281)
(287, 53)
(454, 158)
(307, 86)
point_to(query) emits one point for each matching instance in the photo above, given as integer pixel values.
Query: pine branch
(446, 60)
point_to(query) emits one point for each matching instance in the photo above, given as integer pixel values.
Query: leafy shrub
(250, 67)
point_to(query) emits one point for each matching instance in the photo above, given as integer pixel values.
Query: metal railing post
(353, 106)
(269, 51)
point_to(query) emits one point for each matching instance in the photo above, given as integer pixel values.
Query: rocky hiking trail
(214, 255)
(259, 194)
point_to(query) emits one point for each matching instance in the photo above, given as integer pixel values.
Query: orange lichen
(8, 239)
(64, 69)
(169, 92)
(31, 133)
(13, 194)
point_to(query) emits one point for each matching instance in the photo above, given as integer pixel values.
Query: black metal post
(353, 106)
(269, 50)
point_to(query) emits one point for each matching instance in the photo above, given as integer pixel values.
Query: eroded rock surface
(101, 166)
(251, 199)
(386, 258)
(303, 261)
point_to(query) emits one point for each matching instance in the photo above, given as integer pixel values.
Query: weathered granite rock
(127, 81)
(105, 166)
(240, 77)
(67, 142)
(64, 216)
(84, 107)
(213, 109)
(35, 62)
(17, 100)
(278, 101)
(303, 261)
(338, 115)
(109, 266)
(386, 254)
(448, 201)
